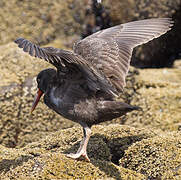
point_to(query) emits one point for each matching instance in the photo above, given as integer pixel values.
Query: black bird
(86, 82)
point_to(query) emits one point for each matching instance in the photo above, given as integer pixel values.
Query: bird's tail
(113, 109)
(131, 108)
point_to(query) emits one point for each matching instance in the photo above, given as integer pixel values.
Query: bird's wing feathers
(62, 58)
(103, 57)
(110, 50)
(56, 57)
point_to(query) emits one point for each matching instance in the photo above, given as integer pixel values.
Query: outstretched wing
(65, 59)
(56, 57)
(110, 50)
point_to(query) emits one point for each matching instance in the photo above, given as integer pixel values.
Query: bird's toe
(78, 156)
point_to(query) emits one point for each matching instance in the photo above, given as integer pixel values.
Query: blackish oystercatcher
(86, 82)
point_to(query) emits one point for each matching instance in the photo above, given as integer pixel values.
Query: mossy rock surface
(157, 157)
(40, 21)
(46, 159)
(45, 21)
(141, 154)
(158, 93)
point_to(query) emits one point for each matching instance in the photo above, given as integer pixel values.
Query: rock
(177, 64)
(124, 11)
(157, 91)
(46, 160)
(142, 153)
(43, 22)
(157, 157)
(40, 21)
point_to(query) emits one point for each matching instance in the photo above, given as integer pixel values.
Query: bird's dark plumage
(87, 80)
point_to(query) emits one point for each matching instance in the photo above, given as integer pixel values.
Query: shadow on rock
(105, 153)
(6, 164)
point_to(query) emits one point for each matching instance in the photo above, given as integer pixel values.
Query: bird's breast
(52, 98)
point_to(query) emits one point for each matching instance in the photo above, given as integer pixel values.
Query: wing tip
(19, 40)
(169, 20)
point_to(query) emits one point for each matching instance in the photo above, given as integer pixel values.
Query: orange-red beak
(36, 99)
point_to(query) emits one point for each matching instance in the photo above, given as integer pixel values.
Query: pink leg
(82, 151)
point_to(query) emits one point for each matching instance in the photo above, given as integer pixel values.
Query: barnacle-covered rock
(40, 21)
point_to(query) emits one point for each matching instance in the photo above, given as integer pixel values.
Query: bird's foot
(78, 156)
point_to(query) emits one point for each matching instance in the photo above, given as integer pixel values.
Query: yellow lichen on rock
(40, 21)
(158, 93)
(46, 160)
(156, 156)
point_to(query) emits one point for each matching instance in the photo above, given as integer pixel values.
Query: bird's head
(43, 80)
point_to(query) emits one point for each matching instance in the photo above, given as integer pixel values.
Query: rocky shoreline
(140, 145)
